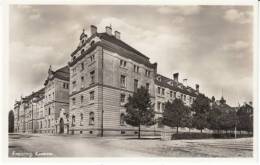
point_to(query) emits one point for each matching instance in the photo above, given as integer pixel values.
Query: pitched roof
(62, 73)
(113, 44)
(175, 86)
(120, 43)
(224, 107)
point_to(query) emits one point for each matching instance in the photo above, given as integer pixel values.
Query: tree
(200, 107)
(139, 110)
(245, 118)
(214, 119)
(11, 121)
(174, 114)
(187, 119)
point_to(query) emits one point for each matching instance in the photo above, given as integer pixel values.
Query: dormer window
(159, 78)
(82, 51)
(92, 43)
(74, 58)
(92, 58)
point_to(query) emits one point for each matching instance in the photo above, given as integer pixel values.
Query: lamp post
(236, 109)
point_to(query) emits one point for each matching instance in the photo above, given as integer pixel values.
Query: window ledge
(123, 67)
(91, 63)
(91, 102)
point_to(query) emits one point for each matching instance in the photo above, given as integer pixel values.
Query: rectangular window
(74, 84)
(163, 91)
(136, 69)
(74, 70)
(163, 107)
(122, 98)
(91, 95)
(82, 82)
(135, 85)
(123, 81)
(170, 93)
(122, 63)
(147, 73)
(82, 66)
(174, 94)
(184, 97)
(74, 101)
(158, 106)
(147, 85)
(92, 77)
(158, 90)
(81, 99)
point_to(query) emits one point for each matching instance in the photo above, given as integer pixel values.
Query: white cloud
(34, 16)
(238, 45)
(184, 10)
(178, 20)
(235, 16)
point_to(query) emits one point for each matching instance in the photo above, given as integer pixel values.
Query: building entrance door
(61, 125)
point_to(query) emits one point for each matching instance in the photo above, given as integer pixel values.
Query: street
(26, 145)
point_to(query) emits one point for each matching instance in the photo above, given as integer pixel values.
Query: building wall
(56, 98)
(80, 89)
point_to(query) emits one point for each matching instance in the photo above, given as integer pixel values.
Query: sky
(208, 45)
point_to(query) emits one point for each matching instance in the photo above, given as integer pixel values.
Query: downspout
(102, 111)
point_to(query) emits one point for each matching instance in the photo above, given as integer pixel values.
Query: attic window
(92, 43)
(82, 51)
(159, 78)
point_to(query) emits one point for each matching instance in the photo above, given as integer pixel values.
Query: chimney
(176, 77)
(185, 82)
(93, 29)
(117, 35)
(109, 30)
(197, 87)
(155, 68)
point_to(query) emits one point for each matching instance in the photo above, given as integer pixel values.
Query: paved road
(75, 146)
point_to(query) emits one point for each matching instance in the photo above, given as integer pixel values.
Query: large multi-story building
(88, 95)
(104, 70)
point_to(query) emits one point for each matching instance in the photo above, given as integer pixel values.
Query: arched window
(82, 51)
(122, 119)
(91, 118)
(73, 121)
(81, 119)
